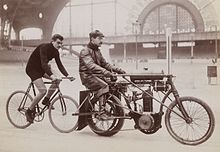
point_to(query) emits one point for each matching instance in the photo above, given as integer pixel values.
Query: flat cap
(95, 34)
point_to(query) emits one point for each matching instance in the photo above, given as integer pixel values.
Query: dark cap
(57, 36)
(95, 34)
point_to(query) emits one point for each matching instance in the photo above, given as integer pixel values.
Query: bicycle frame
(39, 110)
(87, 100)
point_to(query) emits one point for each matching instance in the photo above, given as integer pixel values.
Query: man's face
(57, 44)
(97, 41)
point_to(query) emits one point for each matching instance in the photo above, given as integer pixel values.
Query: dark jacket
(40, 57)
(91, 61)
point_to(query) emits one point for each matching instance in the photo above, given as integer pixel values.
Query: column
(169, 49)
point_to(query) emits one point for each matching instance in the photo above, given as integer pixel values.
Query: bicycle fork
(181, 107)
(63, 105)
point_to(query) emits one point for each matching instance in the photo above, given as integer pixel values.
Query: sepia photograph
(109, 75)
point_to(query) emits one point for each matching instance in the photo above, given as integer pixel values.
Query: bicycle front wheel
(198, 130)
(61, 116)
(16, 106)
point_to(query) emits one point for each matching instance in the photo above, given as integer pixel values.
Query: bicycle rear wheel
(61, 116)
(16, 106)
(198, 130)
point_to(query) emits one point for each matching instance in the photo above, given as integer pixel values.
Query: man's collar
(93, 46)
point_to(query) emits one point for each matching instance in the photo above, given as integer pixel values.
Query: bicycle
(189, 120)
(19, 101)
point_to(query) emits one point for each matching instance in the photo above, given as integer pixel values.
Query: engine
(146, 122)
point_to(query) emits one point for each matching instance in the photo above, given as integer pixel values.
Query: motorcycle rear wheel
(106, 123)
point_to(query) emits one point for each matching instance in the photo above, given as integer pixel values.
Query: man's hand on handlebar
(109, 74)
(54, 78)
(71, 78)
(120, 71)
(112, 76)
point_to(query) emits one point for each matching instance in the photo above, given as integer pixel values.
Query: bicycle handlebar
(70, 78)
(137, 74)
(64, 78)
(59, 80)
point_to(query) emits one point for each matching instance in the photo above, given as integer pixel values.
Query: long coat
(92, 62)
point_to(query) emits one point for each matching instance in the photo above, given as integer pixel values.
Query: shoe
(46, 102)
(29, 115)
(34, 112)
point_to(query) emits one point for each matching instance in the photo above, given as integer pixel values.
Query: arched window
(31, 33)
(172, 16)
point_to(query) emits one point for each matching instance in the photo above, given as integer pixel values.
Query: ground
(191, 79)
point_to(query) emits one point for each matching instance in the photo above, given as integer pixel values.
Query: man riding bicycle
(92, 62)
(38, 67)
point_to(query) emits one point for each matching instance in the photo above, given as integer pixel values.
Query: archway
(185, 4)
(30, 33)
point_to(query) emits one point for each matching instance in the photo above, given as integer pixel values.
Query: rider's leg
(30, 113)
(99, 86)
(100, 94)
(42, 92)
(51, 90)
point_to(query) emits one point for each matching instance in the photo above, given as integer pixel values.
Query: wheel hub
(189, 120)
(146, 122)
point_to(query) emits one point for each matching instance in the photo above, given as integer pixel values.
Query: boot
(29, 115)
(102, 103)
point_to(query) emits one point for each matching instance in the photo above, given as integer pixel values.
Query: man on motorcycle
(92, 62)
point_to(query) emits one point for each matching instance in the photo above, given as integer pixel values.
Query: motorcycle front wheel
(198, 130)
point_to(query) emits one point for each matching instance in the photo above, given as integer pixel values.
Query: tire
(196, 132)
(106, 127)
(15, 115)
(61, 116)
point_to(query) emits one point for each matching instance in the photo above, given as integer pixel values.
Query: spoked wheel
(107, 121)
(61, 116)
(200, 127)
(16, 106)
